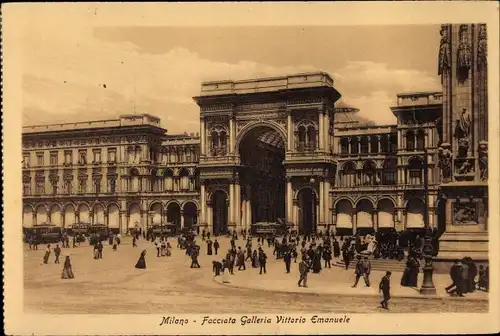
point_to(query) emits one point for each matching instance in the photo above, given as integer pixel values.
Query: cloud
(372, 87)
(68, 79)
(65, 71)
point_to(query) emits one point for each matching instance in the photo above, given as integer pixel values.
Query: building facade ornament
(483, 160)
(482, 46)
(464, 53)
(444, 61)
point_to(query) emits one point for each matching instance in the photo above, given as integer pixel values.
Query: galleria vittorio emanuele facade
(281, 148)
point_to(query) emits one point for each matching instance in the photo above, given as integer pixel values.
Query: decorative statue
(464, 50)
(444, 51)
(482, 46)
(462, 131)
(445, 162)
(483, 161)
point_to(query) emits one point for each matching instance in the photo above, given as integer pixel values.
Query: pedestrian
(209, 247)
(336, 248)
(203, 235)
(216, 246)
(359, 272)
(57, 253)
(217, 267)
(255, 259)
(100, 247)
(30, 242)
(169, 249)
(134, 239)
(385, 290)
(304, 268)
(194, 257)
(262, 261)
(115, 245)
(67, 272)
(141, 263)
(456, 278)
(483, 282)
(287, 258)
(367, 268)
(157, 249)
(465, 277)
(327, 257)
(225, 271)
(241, 259)
(46, 255)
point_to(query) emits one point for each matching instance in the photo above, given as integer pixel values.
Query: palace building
(282, 148)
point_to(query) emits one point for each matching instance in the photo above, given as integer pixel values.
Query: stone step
(379, 265)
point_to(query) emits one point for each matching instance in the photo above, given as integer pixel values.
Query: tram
(44, 234)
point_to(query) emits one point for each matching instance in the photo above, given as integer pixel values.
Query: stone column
(349, 145)
(182, 219)
(209, 217)
(289, 199)
(326, 125)
(232, 203)
(231, 135)
(296, 214)
(122, 222)
(321, 130)
(327, 215)
(321, 216)
(289, 129)
(237, 201)
(249, 208)
(203, 204)
(334, 221)
(354, 222)
(375, 219)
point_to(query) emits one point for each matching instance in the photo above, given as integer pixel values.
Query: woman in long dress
(67, 272)
(163, 248)
(209, 247)
(46, 255)
(255, 259)
(141, 263)
(405, 279)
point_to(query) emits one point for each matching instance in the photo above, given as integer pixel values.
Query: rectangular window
(54, 187)
(67, 187)
(415, 177)
(97, 186)
(97, 156)
(26, 188)
(26, 160)
(68, 158)
(82, 187)
(40, 188)
(39, 159)
(112, 155)
(53, 159)
(82, 157)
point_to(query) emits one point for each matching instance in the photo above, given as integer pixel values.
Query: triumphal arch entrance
(266, 152)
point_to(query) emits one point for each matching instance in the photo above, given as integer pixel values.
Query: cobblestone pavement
(114, 286)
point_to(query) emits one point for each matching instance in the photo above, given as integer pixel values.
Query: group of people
(463, 275)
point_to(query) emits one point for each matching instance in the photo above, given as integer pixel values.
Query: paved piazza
(114, 286)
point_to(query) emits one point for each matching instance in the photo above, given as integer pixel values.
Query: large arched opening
(41, 215)
(364, 214)
(157, 210)
(27, 216)
(190, 213)
(307, 211)
(262, 152)
(69, 215)
(55, 215)
(99, 214)
(415, 211)
(385, 213)
(113, 216)
(84, 213)
(134, 216)
(174, 214)
(219, 208)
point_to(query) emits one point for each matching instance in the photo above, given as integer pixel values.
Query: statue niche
(462, 132)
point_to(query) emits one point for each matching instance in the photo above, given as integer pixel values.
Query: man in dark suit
(456, 278)
(385, 290)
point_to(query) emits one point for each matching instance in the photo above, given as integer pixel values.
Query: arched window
(348, 175)
(364, 145)
(410, 141)
(415, 171)
(344, 146)
(369, 173)
(168, 177)
(374, 144)
(354, 145)
(311, 138)
(389, 172)
(153, 181)
(302, 138)
(134, 182)
(222, 143)
(393, 143)
(420, 140)
(214, 143)
(184, 178)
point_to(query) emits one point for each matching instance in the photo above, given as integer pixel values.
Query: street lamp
(427, 287)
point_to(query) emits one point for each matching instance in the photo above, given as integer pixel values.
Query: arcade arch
(41, 215)
(84, 213)
(134, 216)
(415, 210)
(113, 216)
(55, 215)
(385, 212)
(27, 216)
(364, 214)
(220, 213)
(69, 215)
(190, 214)
(308, 210)
(174, 214)
(157, 210)
(98, 214)
(345, 212)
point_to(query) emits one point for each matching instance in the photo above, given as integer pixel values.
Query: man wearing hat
(385, 290)
(359, 271)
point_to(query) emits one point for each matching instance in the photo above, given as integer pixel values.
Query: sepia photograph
(240, 178)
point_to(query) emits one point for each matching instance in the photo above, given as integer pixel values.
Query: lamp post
(427, 287)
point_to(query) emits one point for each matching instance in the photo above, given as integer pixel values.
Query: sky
(78, 70)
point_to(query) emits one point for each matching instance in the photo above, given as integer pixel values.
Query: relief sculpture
(444, 51)
(462, 132)
(483, 161)
(445, 155)
(465, 214)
